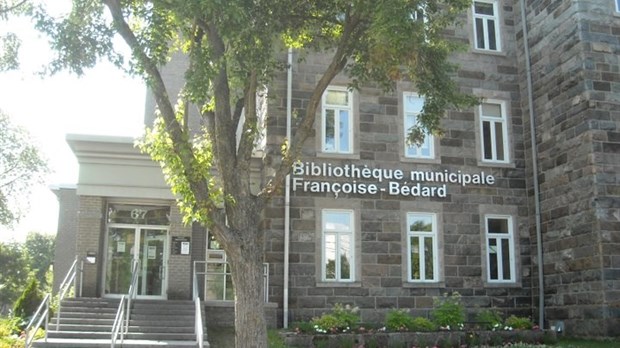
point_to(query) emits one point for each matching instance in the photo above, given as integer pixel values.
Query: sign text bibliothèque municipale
(365, 180)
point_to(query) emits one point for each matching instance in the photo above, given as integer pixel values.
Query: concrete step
(96, 343)
(103, 335)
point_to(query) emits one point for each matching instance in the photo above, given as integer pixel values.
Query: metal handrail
(64, 288)
(198, 325)
(37, 319)
(133, 290)
(123, 313)
(117, 327)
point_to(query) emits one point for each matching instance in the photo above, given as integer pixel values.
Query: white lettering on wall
(364, 180)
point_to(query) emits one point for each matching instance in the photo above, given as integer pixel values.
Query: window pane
(487, 148)
(345, 256)
(335, 221)
(492, 39)
(493, 259)
(483, 8)
(330, 256)
(479, 33)
(506, 259)
(414, 104)
(330, 130)
(491, 110)
(428, 259)
(344, 130)
(421, 224)
(415, 257)
(499, 141)
(497, 225)
(337, 98)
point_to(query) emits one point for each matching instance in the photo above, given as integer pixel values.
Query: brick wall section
(574, 47)
(65, 247)
(89, 238)
(381, 258)
(179, 266)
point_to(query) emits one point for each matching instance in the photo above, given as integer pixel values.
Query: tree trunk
(247, 274)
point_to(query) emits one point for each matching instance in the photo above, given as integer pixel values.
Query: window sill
(336, 155)
(438, 284)
(338, 284)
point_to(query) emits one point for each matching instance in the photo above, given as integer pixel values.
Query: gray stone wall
(381, 255)
(574, 51)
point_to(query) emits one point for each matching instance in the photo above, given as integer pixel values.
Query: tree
(40, 251)
(14, 274)
(9, 41)
(234, 48)
(21, 167)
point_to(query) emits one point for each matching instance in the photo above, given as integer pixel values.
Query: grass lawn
(581, 343)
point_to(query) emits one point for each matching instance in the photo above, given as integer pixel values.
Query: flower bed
(416, 339)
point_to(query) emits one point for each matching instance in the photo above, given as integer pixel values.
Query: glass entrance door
(148, 246)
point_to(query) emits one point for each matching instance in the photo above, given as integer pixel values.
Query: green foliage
(341, 319)
(10, 333)
(489, 319)
(40, 250)
(21, 167)
(29, 301)
(421, 324)
(519, 323)
(14, 275)
(398, 320)
(9, 41)
(448, 311)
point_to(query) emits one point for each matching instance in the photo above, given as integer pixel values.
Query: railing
(198, 325)
(65, 286)
(205, 265)
(118, 326)
(123, 313)
(37, 319)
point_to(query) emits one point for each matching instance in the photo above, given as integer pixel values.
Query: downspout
(287, 189)
(530, 101)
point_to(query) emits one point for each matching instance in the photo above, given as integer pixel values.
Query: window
(422, 247)
(500, 249)
(617, 5)
(218, 279)
(338, 260)
(494, 132)
(337, 121)
(412, 107)
(486, 25)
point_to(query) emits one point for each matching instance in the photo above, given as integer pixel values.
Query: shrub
(29, 301)
(398, 320)
(448, 311)
(423, 324)
(489, 319)
(519, 323)
(341, 319)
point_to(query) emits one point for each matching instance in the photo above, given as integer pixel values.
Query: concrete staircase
(87, 322)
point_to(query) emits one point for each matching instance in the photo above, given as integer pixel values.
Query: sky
(103, 102)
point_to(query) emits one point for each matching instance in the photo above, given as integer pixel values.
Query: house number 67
(138, 214)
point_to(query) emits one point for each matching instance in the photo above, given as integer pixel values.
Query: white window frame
(410, 118)
(337, 109)
(421, 235)
(340, 236)
(498, 238)
(493, 121)
(485, 26)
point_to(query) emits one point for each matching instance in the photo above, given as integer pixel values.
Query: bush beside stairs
(87, 322)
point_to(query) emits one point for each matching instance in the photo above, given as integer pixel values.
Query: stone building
(525, 182)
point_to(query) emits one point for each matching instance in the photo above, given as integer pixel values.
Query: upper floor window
(337, 123)
(617, 5)
(338, 248)
(500, 249)
(494, 132)
(422, 247)
(412, 106)
(486, 25)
